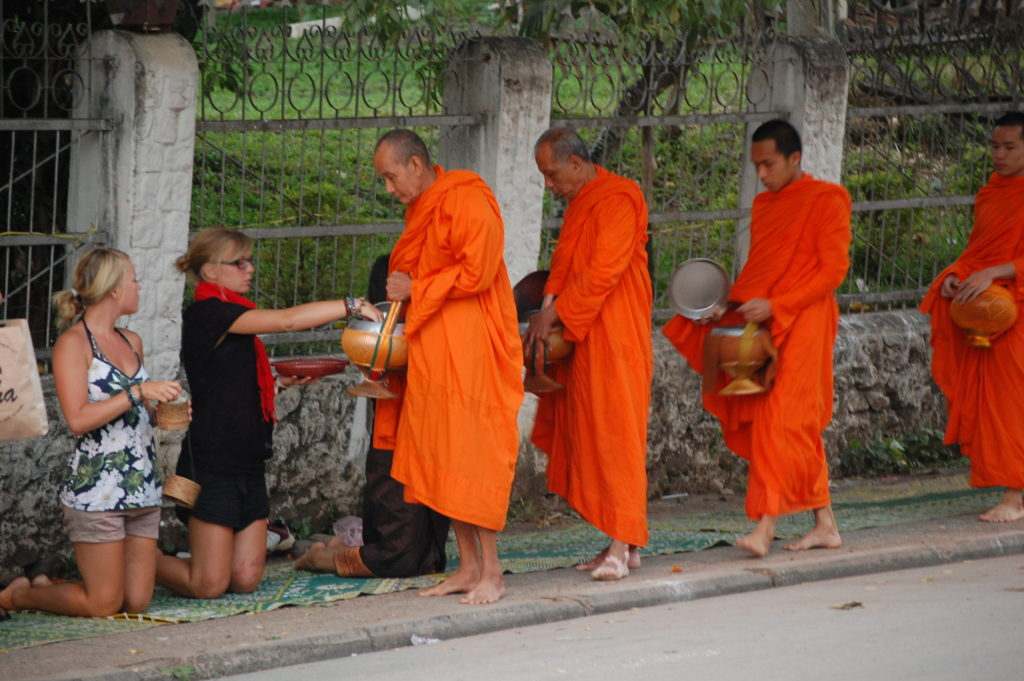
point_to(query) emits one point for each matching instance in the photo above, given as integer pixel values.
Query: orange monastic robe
(595, 431)
(984, 388)
(456, 439)
(799, 254)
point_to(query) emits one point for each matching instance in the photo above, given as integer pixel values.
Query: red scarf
(264, 377)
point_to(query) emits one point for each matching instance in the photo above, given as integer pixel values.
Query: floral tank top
(113, 468)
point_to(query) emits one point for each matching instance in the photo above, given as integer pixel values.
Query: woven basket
(181, 490)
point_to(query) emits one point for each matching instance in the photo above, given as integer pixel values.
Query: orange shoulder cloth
(422, 213)
(606, 184)
(778, 220)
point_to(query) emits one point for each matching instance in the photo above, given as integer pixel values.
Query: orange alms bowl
(990, 314)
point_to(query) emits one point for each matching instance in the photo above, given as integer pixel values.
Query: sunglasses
(240, 263)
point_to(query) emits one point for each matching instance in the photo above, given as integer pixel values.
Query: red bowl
(310, 367)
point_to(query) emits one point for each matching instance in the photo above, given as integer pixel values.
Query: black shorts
(234, 501)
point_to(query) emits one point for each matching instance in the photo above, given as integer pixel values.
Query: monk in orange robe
(595, 430)
(984, 387)
(456, 439)
(799, 254)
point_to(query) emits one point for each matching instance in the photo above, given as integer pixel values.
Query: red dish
(311, 367)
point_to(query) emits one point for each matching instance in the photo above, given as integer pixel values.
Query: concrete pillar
(808, 79)
(507, 81)
(135, 182)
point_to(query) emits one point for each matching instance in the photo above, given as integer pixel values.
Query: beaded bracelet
(351, 306)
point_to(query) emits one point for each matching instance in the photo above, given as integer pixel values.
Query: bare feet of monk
(590, 565)
(7, 595)
(759, 542)
(824, 535)
(461, 582)
(489, 589)
(1009, 509)
(41, 580)
(818, 538)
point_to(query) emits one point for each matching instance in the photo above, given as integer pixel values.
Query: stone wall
(883, 386)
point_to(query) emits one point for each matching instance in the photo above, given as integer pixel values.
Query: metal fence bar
(315, 335)
(884, 297)
(336, 123)
(323, 230)
(930, 109)
(659, 121)
(921, 202)
(678, 216)
(55, 124)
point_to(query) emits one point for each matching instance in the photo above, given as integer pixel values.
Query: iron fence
(289, 116)
(43, 55)
(672, 116)
(925, 87)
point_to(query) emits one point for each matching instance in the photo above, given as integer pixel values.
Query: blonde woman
(111, 495)
(233, 392)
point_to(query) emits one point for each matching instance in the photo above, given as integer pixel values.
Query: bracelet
(351, 305)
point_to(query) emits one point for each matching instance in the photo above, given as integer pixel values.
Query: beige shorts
(100, 527)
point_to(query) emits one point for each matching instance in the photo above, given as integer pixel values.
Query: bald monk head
(403, 162)
(776, 151)
(1007, 145)
(564, 161)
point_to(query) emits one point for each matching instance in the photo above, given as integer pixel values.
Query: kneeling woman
(230, 437)
(111, 495)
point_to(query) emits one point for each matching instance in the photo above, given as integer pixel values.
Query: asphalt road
(961, 621)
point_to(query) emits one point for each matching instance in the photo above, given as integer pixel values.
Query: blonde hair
(210, 245)
(97, 273)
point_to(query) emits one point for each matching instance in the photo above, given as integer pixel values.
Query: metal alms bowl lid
(360, 324)
(734, 331)
(698, 287)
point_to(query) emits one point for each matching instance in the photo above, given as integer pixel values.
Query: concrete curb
(569, 606)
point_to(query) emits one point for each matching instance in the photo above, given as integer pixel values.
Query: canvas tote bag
(22, 410)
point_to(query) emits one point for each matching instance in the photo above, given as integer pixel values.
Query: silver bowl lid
(729, 330)
(698, 287)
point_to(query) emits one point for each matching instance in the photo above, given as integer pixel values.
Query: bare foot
(755, 544)
(41, 580)
(461, 582)
(1003, 512)
(818, 538)
(487, 590)
(634, 558)
(7, 595)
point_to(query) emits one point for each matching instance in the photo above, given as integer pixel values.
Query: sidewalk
(294, 635)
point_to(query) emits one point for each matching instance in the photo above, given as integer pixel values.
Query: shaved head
(564, 143)
(1012, 119)
(405, 144)
(785, 136)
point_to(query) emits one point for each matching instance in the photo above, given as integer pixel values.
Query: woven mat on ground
(520, 552)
